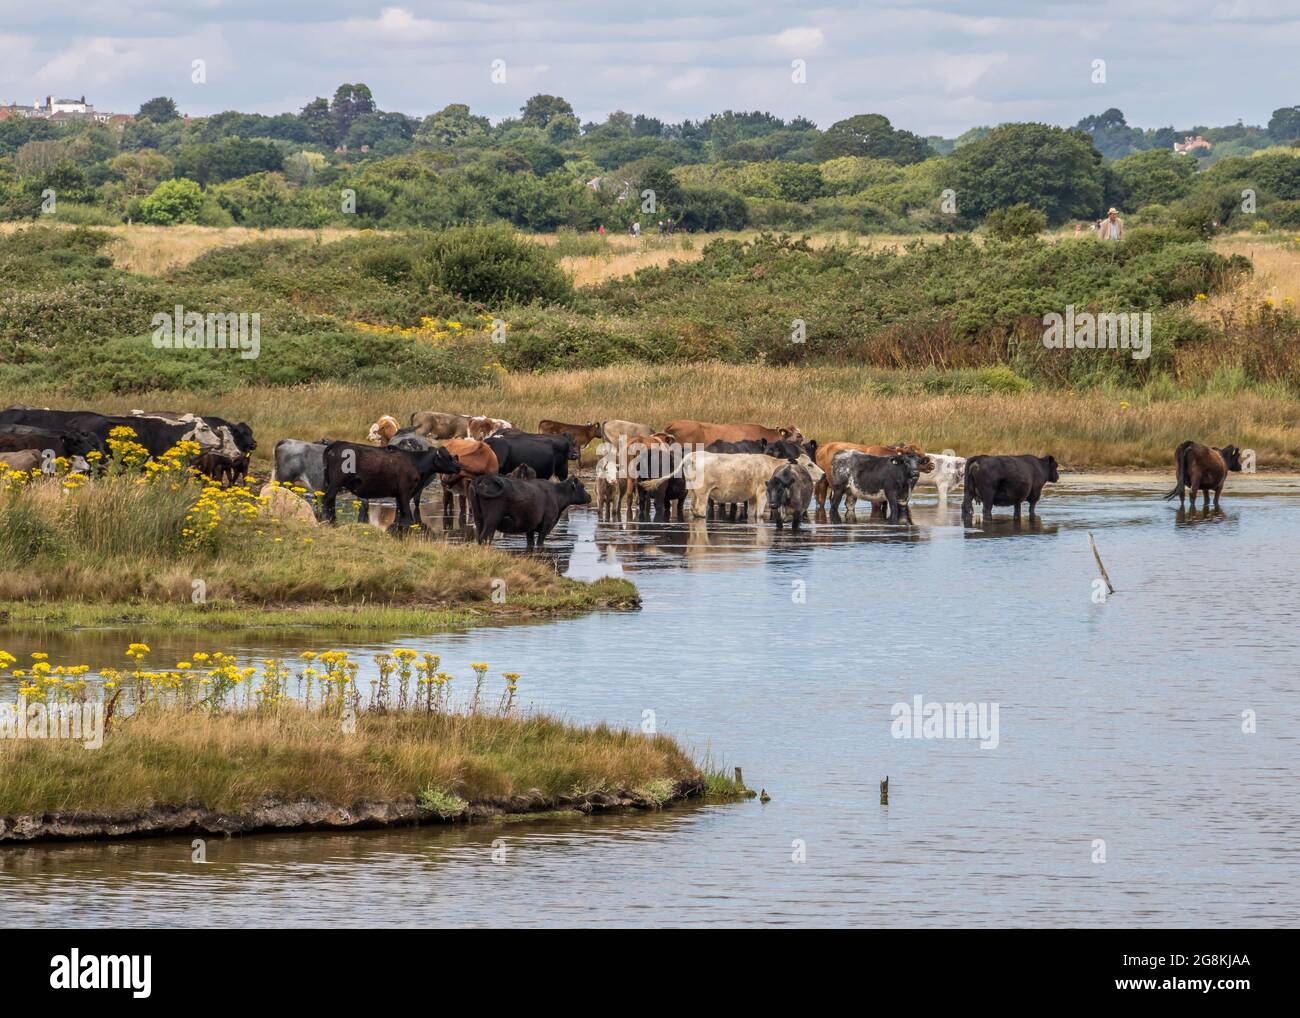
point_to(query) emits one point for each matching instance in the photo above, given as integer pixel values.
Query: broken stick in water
(1110, 587)
(884, 791)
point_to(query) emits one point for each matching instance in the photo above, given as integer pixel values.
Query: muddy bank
(310, 815)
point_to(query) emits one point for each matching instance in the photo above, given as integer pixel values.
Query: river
(1119, 736)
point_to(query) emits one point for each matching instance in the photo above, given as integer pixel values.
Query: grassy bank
(201, 746)
(969, 411)
(172, 553)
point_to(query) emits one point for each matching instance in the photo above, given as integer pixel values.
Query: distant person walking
(601, 231)
(1112, 227)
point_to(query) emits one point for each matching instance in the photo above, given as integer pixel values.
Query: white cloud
(801, 40)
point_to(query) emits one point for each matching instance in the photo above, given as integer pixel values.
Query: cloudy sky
(935, 67)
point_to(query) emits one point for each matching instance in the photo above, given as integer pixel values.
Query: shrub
(491, 265)
(1015, 222)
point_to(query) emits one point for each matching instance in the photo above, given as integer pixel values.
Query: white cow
(948, 472)
(731, 477)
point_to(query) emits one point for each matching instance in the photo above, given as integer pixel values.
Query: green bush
(1015, 222)
(491, 265)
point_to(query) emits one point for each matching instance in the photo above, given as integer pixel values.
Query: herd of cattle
(513, 481)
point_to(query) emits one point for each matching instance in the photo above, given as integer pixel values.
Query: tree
(228, 159)
(1051, 169)
(315, 118)
(172, 201)
(451, 125)
(870, 134)
(1284, 124)
(159, 110)
(1155, 177)
(350, 102)
(540, 110)
(140, 171)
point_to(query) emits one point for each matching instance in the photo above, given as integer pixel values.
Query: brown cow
(476, 459)
(485, 427)
(1201, 468)
(702, 433)
(440, 426)
(383, 430)
(21, 461)
(826, 456)
(582, 433)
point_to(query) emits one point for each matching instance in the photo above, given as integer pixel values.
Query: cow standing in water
(1201, 468)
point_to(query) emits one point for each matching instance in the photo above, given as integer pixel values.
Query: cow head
(573, 447)
(573, 492)
(208, 440)
(83, 443)
(1049, 464)
(383, 430)
(792, 434)
(244, 437)
(1231, 457)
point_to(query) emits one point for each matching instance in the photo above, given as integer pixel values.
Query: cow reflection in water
(1192, 517)
(1002, 527)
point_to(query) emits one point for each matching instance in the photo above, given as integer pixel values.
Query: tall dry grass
(157, 250)
(1095, 429)
(116, 540)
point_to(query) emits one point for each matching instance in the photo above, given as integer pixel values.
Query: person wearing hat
(1112, 227)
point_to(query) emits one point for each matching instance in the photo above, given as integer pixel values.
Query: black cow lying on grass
(385, 472)
(1006, 480)
(860, 475)
(71, 443)
(154, 433)
(514, 506)
(1201, 468)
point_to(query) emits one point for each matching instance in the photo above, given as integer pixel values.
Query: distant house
(63, 111)
(1191, 143)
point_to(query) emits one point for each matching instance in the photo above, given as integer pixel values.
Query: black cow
(74, 442)
(789, 490)
(651, 463)
(863, 476)
(751, 446)
(155, 434)
(368, 473)
(549, 455)
(515, 506)
(1006, 480)
(788, 449)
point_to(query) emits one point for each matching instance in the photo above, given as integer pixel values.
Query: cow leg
(836, 494)
(328, 507)
(363, 510)
(1217, 492)
(1015, 512)
(820, 491)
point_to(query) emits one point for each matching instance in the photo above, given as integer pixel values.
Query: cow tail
(659, 482)
(1181, 471)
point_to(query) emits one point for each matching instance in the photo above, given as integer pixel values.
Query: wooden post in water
(884, 791)
(740, 780)
(1110, 587)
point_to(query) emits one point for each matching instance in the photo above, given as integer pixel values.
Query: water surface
(784, 653)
